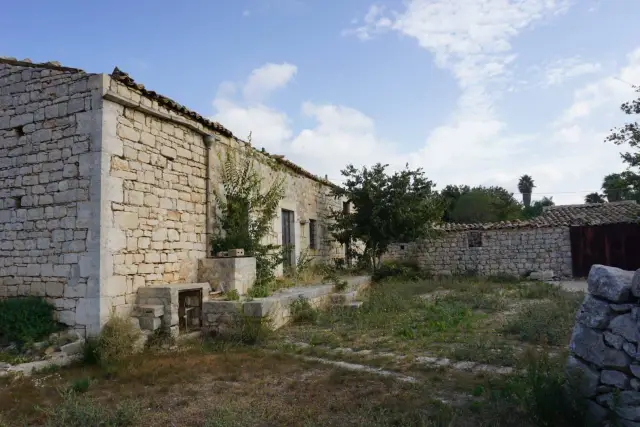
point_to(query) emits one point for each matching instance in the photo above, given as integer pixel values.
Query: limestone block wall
(604, 363)
(156, 213)
(514, 252)
(159, 214)
(49, 139)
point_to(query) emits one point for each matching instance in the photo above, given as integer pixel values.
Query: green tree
(626, 185)
(616, 187)
(594, 198)
(387, 208)
(478, 204)
(245, 214)
(526, 186)
(474, 207)
(537, 208)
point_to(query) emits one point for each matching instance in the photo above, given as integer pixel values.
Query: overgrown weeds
(79, 411)
(547, 322)
(539, 290)
(118, 340)
(26, 320)
(244, 329)
(302, 311)
(232, 295)
(539, 394)
(402, 269)
(484, 349)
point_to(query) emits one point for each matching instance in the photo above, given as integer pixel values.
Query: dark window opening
(313, 234)
(402, 247)
(17, 202)
(474, 238)
(19, 131)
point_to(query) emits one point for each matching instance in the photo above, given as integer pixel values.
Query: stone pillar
(604, 363)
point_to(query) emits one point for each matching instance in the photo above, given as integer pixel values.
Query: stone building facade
(105, 187)
(516, 247)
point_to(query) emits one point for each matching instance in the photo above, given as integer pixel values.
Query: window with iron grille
(313, 234)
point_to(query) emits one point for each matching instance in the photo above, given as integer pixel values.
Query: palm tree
(593, 198)
(526, 186)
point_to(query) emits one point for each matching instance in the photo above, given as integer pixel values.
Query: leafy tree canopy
(594, 198)
(464, 204)
(386, 208)
(626, 185)
(537, 208)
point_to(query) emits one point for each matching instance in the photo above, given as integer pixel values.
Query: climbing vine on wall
(245, 213)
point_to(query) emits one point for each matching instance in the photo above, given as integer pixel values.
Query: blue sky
(474, 91)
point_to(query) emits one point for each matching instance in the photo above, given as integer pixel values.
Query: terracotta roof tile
(564, 215)
(51, 65)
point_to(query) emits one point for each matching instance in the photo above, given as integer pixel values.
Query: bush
(406, 270)
(117, 341)
(26, 320)
(76, 411)
(302, 312)
(232, 295)
(541, 393)
(545, 322)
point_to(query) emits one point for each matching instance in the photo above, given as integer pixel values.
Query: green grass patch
(547, 322)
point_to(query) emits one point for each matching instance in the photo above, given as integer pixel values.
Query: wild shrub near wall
(25, 320)
(117, 341)
(245, 214)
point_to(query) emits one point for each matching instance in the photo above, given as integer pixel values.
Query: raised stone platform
(226, 274)
(220, 314)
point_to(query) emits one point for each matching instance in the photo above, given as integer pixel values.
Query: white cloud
(605, 94)
(473, 41)
(562, 70)
(266, 79)
(340, 135)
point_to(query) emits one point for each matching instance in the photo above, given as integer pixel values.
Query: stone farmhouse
(106, 188)
(567, 240)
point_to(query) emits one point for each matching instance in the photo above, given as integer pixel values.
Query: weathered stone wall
(49, 136)
(157, 200)
(604, 363)
(308, 199)
(514, 252)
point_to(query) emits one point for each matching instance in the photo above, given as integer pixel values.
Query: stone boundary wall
(515, 252)
(50, 188)
(604, 359)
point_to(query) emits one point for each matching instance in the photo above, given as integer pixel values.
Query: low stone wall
(516, 252)
(220, 315)
(604, 359)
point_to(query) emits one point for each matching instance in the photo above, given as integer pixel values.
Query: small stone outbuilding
(566, 239)
(105, 188)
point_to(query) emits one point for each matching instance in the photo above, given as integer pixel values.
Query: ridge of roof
(50, 65)
(627, 211)
(169, 103)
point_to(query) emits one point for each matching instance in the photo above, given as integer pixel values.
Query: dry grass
(226, 383)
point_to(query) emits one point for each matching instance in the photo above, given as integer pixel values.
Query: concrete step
(343, 298)
(149, 311)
